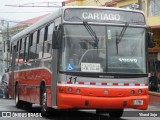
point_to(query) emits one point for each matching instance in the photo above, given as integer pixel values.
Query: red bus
(82, 58)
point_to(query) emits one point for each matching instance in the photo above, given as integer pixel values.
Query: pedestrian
(153, 82)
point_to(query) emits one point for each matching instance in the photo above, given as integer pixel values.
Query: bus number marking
(71, 79)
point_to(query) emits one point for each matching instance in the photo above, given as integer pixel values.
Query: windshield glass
(80, 53)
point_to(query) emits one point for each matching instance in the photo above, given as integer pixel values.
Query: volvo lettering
(128, 60)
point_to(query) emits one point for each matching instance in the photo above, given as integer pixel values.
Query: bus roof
(58, 12)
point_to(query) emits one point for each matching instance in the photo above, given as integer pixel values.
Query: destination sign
(103, 15)
(100, 16)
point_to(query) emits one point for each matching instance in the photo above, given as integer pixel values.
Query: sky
(17, 14)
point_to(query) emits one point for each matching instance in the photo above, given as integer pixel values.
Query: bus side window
(17, 53)
(48, 42)
(21, 53)
(40, 43)
(41, 36)
(33, 47)
(46, 33)
(50, 31)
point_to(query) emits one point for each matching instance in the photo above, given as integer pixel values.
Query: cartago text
(100, 16)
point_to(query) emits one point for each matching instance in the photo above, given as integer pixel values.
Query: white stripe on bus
(95, 86)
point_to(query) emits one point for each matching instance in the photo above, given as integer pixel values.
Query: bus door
(55, 54)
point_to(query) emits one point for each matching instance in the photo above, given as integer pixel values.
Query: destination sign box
(103, 15)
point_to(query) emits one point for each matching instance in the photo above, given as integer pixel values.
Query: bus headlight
(78, 91)
(139, 91)
(70, 89)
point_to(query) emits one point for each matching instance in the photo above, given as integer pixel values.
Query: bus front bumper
(67, 101)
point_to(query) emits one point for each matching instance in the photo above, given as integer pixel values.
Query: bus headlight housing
(139, 91)
(78, 91)
(70, 89)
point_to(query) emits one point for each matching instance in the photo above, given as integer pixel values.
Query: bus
(82, 58)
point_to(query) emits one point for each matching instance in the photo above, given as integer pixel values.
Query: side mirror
(57, 36)
(150, 40)
(55, 44)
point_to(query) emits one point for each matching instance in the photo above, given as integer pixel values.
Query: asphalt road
(7, 108)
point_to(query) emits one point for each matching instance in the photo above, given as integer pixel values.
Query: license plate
(138, 102)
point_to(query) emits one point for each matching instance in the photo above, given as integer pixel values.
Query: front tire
(43, 99)
(19, 103)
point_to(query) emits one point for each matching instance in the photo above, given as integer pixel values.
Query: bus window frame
(26, 48)
(51, 28)
(34, 44)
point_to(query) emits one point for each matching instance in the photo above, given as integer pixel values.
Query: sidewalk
(154, 97)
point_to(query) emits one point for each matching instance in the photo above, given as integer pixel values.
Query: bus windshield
(79, 52)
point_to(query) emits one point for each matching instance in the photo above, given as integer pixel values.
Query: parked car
(4, 85)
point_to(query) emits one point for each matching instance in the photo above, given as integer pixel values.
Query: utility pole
(7, 43)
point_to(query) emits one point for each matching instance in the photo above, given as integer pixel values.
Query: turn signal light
(61, 89)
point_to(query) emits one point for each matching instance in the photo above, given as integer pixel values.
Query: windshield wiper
(92, 33)
(119, 38)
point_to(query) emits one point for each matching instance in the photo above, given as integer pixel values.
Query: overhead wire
(27, 12)
(87, 3)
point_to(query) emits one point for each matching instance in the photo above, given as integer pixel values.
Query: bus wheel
(44, 108)
(27, 105)
(116, 113)
(19, 104)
